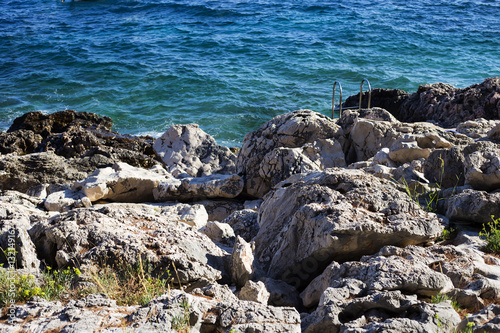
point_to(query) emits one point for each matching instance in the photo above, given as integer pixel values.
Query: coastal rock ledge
(375, 222)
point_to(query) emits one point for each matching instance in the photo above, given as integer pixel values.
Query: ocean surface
(231, 65)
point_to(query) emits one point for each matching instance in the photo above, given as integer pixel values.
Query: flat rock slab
(208, 187)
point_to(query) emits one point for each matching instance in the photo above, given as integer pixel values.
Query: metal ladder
(350, 107)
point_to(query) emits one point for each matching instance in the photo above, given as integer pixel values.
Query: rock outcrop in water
(364, 224)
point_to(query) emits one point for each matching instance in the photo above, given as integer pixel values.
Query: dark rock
(58, 122)
(389, 99)
(449, 106)
(19, 142)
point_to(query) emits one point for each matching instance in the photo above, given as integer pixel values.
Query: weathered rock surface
(478, 128)
(486, 320)
(255, 292)
(292, 143)
(338, 214)
(188, 149)
(122, 182)
(213, 315)
(378, 273)
(96, 312)
(389, 311)
(63, 201)
(449, 106)
(475, 164)
(244, 223)
(21, 173)
(407, 141)
(74, 134)
(207, 187)
(242, 262)
(473, 206)
(117, 233)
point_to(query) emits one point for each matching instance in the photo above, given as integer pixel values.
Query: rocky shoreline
(369, 223)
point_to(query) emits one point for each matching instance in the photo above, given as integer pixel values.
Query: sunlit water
(231, 65)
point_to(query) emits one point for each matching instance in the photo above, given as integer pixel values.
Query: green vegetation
(127, 284)
(180, 323)
(491, 234)
(439, 298)
(51, 285)
(447, 234)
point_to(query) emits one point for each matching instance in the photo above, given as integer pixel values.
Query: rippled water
(231, 65)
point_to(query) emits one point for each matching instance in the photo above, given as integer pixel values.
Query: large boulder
(389, 311)
(188, 149)
(449, 106)
(338, 214)
(406, 141)
(476, 164)
(161, 234)
(378, 273)
(291, 143)
(476, 207)
(22, 173)
(73, 134)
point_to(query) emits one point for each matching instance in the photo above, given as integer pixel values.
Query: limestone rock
(482, 168)
(188, 149)
(241, 263)
(474, 164)
(494, 133)
(115, 233)
(207, 187)
(378, 273)
(15, 221)
(216, 291)
(338, 214)
(244, 223)
(66, 200)
(208, 315)
(478, 128)
(255, 292)
(282, 294)
(290, 143)
(21, 173)
(219, 209)
(389, 311)
(486, 320)
(218, 232)
(474, 206)
(121, 182)
(369, 136)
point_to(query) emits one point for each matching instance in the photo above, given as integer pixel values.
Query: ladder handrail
(333, 99)
(360, 97)
(361, 93)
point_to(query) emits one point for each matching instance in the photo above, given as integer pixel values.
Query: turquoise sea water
(231, 65)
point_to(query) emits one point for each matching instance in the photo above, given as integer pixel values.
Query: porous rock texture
(336, 214)
(120, 233)
(188, 149)
(342, 230)
(449, 106)
(291, 143)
